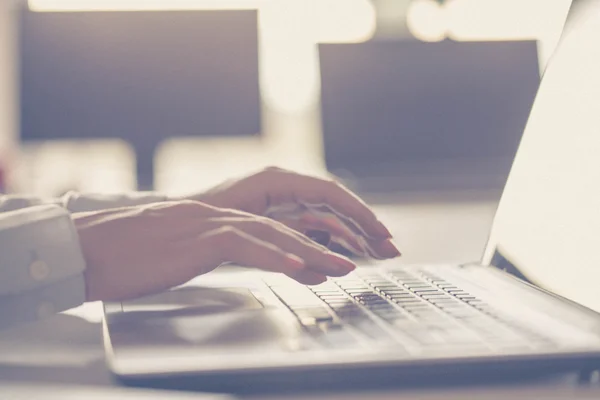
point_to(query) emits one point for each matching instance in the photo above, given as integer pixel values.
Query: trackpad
(214, 319)
(200, 299)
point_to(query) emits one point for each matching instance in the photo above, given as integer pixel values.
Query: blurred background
(176, 95)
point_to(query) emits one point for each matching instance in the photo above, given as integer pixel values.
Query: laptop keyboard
(416, 310)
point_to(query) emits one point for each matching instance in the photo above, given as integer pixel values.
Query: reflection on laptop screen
(548, 221)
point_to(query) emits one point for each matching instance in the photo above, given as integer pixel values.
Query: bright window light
(97, 166)
(503, 20)
(539, 20)
(289, 32)
(472, 20)
(140, 5)
(426, 20)
(344, 21)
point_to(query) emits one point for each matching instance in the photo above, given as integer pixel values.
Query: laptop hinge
(502, 263)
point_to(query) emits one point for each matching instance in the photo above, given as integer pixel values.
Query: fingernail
(342, 264)
(383, 231)
(295, 262)
(390, 249)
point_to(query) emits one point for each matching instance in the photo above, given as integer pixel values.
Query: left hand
(275, 186)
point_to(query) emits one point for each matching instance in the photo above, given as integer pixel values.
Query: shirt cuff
(42, 303)
(77, 202)
(39, 247)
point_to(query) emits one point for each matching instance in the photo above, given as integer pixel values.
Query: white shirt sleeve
(41, 263)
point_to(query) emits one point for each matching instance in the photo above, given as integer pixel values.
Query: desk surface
(67, 348)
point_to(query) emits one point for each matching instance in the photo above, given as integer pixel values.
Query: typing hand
(136, 251)
(274, 187)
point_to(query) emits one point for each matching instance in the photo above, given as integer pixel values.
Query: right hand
(136, 251)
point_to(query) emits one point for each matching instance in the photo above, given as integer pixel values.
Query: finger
(316, 190)
(252, 219)
(308, 277)
(316, 257)
(179, 208)
(332, 225)
(193, 208)
(229, 244)
(384, 248)
(310, 223)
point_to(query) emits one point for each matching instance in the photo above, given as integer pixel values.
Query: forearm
(41, 263)
(77, 202)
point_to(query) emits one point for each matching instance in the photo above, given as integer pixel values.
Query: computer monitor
(139, 76)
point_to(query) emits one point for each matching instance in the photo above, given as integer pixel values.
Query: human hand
(271, 187)
(136, 251)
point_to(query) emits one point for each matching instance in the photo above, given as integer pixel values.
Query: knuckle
(187, 204)
(153, 209)
(184, 206)
(225, 235)
(273, 168)
(269, 172)
(146, 210)
(335, 183)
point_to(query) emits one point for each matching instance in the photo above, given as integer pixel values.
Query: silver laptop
(529, 308)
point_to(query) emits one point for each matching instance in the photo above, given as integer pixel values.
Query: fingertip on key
(391, 249)
(343, 264)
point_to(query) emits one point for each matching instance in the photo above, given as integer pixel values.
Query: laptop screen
(547, 226)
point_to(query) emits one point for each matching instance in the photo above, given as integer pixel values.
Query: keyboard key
(296, 297)
(385, 305)
(395, 289)
(374, 304)
(329, 297)
(358, 290)
(447, 287)
(349, 315)
(320, 316)
(418, 285)
(428, 295)
(383, 284)
(367, 297)
(444, 301)
(407, 300)
(399, 294)
(340, 303)
(327, 292)
(346, 300)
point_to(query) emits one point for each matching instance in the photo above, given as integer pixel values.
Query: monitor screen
(547, 226)
(140, 76)
(388, 105)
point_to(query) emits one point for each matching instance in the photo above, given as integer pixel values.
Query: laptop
(529, 308)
